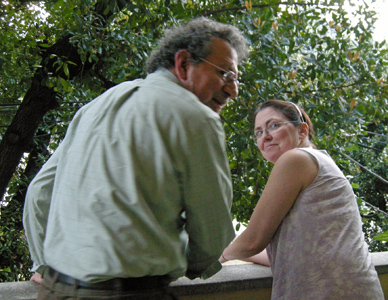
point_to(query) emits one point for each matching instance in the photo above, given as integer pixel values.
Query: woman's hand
(37, 278)
(261, 258)
(222, 259)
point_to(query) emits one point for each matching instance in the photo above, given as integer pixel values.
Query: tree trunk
(38, 100)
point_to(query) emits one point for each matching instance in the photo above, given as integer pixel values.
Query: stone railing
(236, 280)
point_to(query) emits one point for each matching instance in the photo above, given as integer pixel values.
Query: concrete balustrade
(236, 281)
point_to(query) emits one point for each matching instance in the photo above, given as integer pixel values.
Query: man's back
(126, 171)
(139, 192)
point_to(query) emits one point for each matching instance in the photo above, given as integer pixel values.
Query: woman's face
(278, 134)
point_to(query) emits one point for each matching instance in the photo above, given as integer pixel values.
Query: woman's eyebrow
(266, 123)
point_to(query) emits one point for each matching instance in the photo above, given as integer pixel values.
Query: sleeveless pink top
(318, 251)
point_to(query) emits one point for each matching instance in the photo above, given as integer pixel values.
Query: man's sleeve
(36, 209)
(208, 199)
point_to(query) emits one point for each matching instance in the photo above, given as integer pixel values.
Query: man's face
(205, 79)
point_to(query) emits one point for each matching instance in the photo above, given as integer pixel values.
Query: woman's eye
(259, 133)
(273, 126)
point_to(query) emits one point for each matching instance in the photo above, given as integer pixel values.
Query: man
(139, 191)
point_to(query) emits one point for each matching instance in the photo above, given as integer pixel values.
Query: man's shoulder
(128, 84)
(163, 81)
(165, 89)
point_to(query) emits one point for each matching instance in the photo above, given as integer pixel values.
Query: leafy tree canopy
(56, 56)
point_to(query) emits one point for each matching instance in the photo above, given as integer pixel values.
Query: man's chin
(216, 107)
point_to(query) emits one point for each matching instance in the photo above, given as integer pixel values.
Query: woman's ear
(303, 130)
(182, 61)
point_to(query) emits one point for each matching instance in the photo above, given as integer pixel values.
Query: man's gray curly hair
(195, 37)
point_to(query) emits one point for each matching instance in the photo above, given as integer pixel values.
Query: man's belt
(117, 284)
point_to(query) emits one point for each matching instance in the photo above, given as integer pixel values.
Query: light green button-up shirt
(139, 186)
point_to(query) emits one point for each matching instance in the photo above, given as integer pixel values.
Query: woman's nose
(266, 136)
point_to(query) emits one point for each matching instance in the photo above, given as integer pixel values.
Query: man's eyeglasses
(227, 76)
(271, 128)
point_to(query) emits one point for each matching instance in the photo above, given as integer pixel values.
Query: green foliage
(306, 52)
(14, 255)
(327, 65)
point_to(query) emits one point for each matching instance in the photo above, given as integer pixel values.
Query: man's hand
(37, 278)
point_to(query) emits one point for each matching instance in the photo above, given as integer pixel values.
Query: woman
(307, 217)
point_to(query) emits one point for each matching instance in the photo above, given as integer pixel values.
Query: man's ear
(182, 61)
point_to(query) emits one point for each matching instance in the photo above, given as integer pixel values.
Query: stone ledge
(380, 260)
(233, 278)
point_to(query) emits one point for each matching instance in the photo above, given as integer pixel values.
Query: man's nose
(231, 88)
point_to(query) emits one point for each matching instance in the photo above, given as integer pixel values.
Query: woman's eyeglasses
(271, 128)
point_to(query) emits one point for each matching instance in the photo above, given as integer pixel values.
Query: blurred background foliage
(56, 56)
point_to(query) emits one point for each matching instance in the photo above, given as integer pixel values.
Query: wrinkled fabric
(140, 186)
(54, 290)
(319, 252)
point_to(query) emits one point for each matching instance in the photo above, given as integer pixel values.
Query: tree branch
(40, 99)
(243, 8)
(365, 168)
